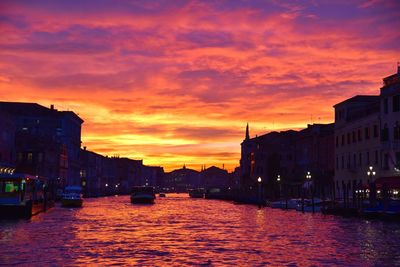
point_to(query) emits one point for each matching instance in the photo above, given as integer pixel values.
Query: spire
(247, 132)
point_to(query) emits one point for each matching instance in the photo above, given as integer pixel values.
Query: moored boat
(22, 195)
(196, 193)
(283, 204)
(72, 197)
(143, 194)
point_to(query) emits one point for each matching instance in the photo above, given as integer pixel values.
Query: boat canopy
(143, 189)
(73, 188)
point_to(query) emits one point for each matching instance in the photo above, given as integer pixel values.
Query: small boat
(22, 195)
(162, 195)
(196, 193)
(308, 205)
(143, 194)
(281, 204)
(72, 197)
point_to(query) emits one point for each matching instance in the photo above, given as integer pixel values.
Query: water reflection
(180, 231)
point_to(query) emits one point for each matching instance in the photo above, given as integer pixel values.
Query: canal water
(179, 231)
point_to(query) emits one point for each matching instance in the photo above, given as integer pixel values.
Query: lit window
(30, 157)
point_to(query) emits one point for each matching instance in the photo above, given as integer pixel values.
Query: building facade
(45, 133)
(367, 140)
(357, 142)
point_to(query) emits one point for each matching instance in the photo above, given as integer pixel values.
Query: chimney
(84, 148)
(52, 107)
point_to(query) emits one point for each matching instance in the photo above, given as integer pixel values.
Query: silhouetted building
(315, 155)
(182, 179)
(289, 155)
(215, 177)
(43, 133)
(357, 143)
(267, 156)
(367, 136)
(390, 122)
(7, 141)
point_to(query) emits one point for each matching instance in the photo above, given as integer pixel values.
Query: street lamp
(371, 173)
(308, 175)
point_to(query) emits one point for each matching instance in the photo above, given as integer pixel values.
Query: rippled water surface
(179, 231)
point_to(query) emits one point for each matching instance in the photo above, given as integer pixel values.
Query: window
(396, 131)
(348, 161)
(359, 159)
(376, 131)
(385, 133)
(30, 157)
(343, 140)
(396, 103)
(385, 106)
(337, 163)
(348, 138)
(359, 135)
(366, 133)
(354, 160)
(342, 162)
(386, 162)
(376, 157)
(367, 158)
(337, 141)
(40, 157)
(354, 137)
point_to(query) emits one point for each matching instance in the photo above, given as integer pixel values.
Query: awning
(392, 182)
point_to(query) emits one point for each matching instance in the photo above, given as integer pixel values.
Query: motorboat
(22, 195)
(162, 195)
(283, 204)
(196, 193)
(308, 205)
(143, 194)
(72, 197)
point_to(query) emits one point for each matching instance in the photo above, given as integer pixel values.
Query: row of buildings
(361, 147)
(46, 142)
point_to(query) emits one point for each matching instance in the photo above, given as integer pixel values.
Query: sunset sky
(175, 82)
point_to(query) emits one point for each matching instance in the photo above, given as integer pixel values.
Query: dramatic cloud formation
(175, 82)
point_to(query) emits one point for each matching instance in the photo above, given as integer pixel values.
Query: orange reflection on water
(179, 231)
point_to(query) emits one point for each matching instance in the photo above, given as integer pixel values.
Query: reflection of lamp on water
(278, 179)
(259, 180)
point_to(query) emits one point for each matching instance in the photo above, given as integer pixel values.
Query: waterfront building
(103, 175)
(289, 155)
(367, 140)
(91, 173)
(214, 177)
(52, 133)
(151, 176)
(181, 180)
(315, 156)
(390, 123)
(7, 141)
(357, 142)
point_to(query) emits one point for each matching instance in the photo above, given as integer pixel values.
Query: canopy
(392, 182)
